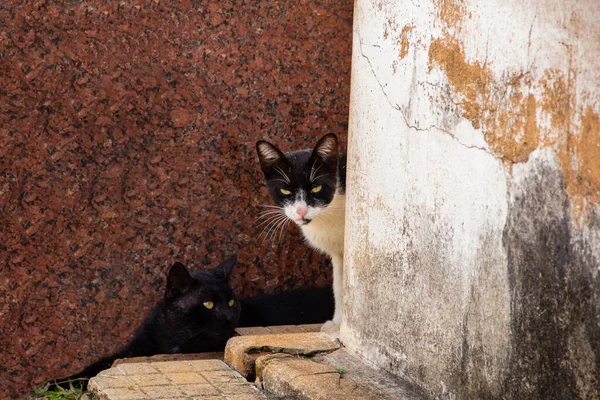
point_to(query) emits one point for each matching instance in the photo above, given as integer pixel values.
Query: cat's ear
(268, 154)
(224, 269)
(327, 148)
(178, 281)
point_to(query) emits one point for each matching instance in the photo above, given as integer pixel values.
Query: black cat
(301, 306)
(199, 313)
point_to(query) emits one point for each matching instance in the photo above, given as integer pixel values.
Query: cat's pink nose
(301, 211)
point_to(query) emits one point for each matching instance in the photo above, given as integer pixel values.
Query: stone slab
(241, 351)
(191, 379)
(265, 330)
(171, 357)
(332, 376)
(376, 379)
(301, 378)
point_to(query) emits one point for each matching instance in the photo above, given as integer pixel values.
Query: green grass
(61, 391)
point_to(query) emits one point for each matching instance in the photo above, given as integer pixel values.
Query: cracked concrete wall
(472, 261)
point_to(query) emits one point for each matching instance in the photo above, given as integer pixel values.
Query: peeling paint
(469, 80)
(507, 112)
(580, 160)
(578, 149)
(451, 12)
(403, 40)
(513, 132)
(556, 101)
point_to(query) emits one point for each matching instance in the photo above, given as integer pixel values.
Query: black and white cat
(198, 313)
(309, 188)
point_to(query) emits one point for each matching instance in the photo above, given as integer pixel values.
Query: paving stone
(162, 392)
(122, 394)
(306, 365)
(236, 388)
(239, 350)
(136, 369)
(201, 379)
(209, 365)
(170, 357)
(387, 386)
(223, 377)
(199, 390)
(150, 380)
(254, 330)
(245, 397)
(205, 398)
(186, 378)
(287, 329)
(173, 366)
(268, 330)
(106, 382)
(289, 377)
(112, 373)
(311, 327)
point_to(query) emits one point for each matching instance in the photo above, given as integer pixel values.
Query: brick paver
(198, 379)
(242, 351)
(268, 330)
(288, 362)
(287, 376)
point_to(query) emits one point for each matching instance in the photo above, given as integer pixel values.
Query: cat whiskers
(313, 171)
(266, 216)
(271, 228)
(273, 220)
(268, 213)
(270, 206)
(281, 227)
(282, 173)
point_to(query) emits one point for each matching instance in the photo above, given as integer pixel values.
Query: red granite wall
(127, 134)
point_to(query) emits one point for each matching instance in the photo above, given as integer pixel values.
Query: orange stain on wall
(507, 112)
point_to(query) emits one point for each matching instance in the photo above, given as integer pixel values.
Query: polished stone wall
(127, 134)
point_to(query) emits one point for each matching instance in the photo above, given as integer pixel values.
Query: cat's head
(202, 304)
(303, 183)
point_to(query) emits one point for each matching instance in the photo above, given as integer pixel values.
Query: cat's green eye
(285, 191)
(316, 189)
(231, 303)
(208, 304)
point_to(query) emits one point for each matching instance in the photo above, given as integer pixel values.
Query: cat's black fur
(180, 322)
(302, 306)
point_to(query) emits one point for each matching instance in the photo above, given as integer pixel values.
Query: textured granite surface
(127, 134)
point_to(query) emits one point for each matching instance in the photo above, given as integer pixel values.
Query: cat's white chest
(326, 231)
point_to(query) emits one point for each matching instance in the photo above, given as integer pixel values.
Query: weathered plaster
(473, 237)
(555, 326)
(506, 105)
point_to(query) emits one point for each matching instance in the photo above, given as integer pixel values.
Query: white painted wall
(428, 261)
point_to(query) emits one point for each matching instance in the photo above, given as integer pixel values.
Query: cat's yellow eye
(231, 303)
(209, 304)
(285, 191)
(316, 189)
